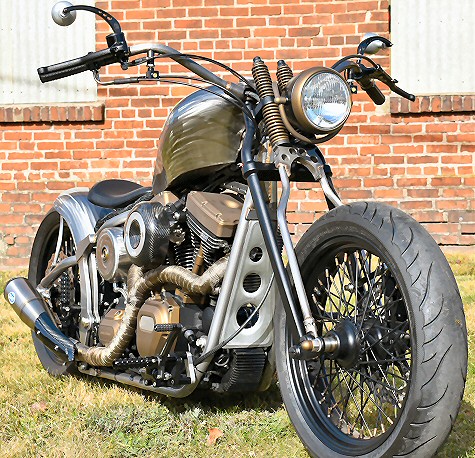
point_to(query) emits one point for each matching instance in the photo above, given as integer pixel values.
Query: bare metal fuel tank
(201, 136)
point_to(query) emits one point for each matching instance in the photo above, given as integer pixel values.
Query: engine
(157, 233)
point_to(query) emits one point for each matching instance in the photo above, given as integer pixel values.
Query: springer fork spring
(273, 122)
(284, 75)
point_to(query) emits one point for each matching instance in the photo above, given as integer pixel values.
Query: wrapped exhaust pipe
(31, 308)
(140, 285)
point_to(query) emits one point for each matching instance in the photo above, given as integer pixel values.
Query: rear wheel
(376, 279)
(54, 242)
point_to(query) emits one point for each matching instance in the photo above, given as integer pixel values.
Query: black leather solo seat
(116, 193)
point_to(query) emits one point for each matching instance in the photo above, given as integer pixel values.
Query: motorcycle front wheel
(376, 279)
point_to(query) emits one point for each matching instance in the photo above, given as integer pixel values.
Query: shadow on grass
(208, 401)
(461, 442)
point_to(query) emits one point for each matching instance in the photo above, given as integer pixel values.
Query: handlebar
(114, 54)
(188, 63)
(374, 92)
(119, 52)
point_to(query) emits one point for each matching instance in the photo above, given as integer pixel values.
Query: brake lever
(390, 82)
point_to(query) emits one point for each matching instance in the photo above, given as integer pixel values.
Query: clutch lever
(385, 78)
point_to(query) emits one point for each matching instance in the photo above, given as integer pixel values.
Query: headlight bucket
(312, 107)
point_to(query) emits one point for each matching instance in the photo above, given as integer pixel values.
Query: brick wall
(417, 157)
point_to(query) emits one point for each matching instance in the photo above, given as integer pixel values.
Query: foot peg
(167, 327)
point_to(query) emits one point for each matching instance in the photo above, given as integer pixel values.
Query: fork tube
(270, 240)
(308, 320)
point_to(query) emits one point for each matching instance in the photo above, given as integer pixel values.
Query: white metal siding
(434, 41)
(30, 39)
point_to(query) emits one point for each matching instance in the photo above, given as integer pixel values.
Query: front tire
(373, 270)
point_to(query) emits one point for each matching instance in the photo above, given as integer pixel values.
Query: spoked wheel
(363, 384)
(392, 381)
(54, 242)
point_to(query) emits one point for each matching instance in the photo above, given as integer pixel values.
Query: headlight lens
(326, 101)
(320, 101)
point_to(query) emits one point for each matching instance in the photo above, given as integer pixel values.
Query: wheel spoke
(365, 398)
(371, 399)
(360, 413)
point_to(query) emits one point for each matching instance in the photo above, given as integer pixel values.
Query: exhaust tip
(33, 311)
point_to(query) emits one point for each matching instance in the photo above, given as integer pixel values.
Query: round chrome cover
(112, 258)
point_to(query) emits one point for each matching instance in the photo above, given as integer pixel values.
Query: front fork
(298, 306)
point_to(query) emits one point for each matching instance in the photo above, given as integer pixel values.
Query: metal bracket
(190, 368)
(287, 155)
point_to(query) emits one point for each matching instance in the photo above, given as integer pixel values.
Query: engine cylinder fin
(212, 246)
(185, 254)
(251, 283)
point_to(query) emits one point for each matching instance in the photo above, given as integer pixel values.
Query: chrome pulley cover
(112, 258)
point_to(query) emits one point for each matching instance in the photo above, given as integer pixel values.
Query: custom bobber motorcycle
(182, 286)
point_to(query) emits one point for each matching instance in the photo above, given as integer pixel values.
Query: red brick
(406, 182)
(446, 181)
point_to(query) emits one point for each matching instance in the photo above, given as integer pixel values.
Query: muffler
(32, 310)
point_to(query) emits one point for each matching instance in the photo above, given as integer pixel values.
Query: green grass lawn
(80, 417)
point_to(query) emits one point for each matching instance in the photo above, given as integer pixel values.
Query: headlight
(320, 101)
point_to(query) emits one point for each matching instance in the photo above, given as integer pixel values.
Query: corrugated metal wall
(433, 50)
(30, 39)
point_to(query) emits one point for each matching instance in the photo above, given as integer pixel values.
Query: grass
(70, 417)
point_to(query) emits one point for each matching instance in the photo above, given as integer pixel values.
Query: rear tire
(394, 281)
(43, 249)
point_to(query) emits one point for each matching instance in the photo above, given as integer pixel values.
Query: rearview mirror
(373, 43)
(60, 17)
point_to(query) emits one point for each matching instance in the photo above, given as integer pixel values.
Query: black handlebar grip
(374, 93)
(46, 74)
(91, 61)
